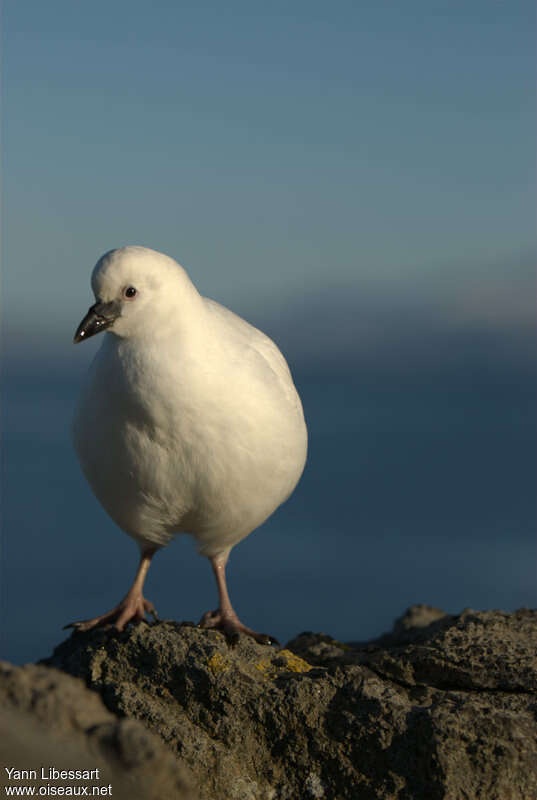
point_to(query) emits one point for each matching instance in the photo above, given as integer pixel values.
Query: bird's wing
(249, 337)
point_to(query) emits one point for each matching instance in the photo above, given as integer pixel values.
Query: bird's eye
(129, 292)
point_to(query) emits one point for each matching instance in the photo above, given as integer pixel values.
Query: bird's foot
(232, 627)
(132, 608)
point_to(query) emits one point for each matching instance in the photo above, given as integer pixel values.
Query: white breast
(205, 437)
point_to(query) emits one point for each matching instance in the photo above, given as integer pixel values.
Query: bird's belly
(244, 482)
(217, 482)
(142, 486)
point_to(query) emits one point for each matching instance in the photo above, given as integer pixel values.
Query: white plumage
(189, 420)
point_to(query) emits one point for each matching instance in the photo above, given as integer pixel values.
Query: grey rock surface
(51, 720)
(444, 707)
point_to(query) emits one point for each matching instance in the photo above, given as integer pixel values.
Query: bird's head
(135, 289)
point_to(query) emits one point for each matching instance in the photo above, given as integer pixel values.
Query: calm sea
(419, 487)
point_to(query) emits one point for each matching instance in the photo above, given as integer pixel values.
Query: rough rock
(51, 720)
(444, 707)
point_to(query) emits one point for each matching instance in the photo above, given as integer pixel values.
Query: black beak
(99, 317)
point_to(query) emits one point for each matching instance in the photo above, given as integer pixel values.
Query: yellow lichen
(217, 663)
(294, 662)
(283, 662)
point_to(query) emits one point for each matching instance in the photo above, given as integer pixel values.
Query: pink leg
(225, 618)
(134, 606)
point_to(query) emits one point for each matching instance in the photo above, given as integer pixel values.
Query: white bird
(188, 422)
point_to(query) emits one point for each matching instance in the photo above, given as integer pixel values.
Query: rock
(442, 707)
(51, 720)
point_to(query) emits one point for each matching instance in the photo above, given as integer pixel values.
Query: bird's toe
(232, 635)
(149, 608)
(211, 619)
(88, 624)
(75, 625)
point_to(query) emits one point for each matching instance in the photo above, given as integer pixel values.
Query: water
(419, 488)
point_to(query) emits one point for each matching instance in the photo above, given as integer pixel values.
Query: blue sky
(377, 152)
